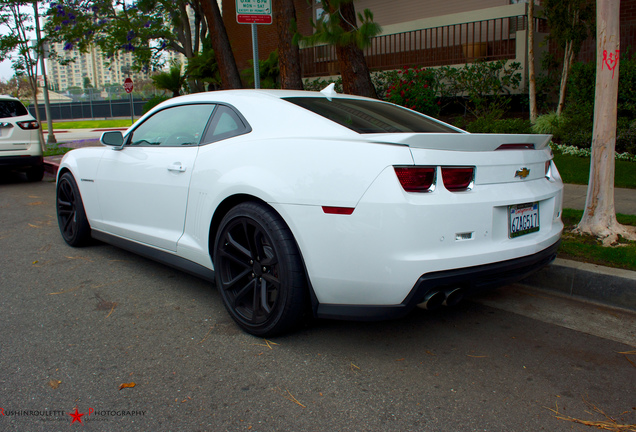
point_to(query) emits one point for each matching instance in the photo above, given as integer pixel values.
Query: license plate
(523, 219)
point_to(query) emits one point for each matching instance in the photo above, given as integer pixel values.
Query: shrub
(499, 126)
(483, 88)
(546, 124)
(414, 89)
(319, 84)
(153, 102)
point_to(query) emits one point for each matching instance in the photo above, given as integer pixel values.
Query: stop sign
(128, 85)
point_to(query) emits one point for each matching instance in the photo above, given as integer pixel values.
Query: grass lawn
(576, 170)
(54, 150)
(588, 249)
(92, 124)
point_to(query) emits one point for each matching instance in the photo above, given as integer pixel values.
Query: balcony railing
(491, 39)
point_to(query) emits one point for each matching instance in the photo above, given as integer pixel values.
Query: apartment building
(424, 33)
(92, 67)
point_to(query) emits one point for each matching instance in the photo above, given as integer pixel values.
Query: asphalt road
(76, 324)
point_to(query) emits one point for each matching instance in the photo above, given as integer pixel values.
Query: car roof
(231, 95)
(8, 97)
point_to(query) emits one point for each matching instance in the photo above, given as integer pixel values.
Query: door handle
(176, 167)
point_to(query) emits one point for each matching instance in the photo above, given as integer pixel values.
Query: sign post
(128, 86)
(254, 12)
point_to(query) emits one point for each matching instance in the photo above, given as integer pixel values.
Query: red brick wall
(240, 35)
(628, 33)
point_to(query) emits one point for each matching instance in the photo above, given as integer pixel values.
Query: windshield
(364, 116)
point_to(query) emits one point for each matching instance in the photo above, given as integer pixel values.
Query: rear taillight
(458, 179)
(523, 146)
(32, 124)
(416, 179)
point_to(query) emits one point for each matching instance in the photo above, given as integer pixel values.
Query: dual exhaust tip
(436, 299)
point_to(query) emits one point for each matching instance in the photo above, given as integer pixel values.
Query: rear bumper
(20, 162)
(470, 280)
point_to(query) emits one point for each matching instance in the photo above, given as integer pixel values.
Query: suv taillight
(32, 124)
(458, 179)
(415, 178)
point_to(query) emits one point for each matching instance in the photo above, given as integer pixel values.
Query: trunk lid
(481, 151)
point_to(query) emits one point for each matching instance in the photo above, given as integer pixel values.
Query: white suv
(20, 148)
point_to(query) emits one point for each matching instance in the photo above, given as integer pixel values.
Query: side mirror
(112, 139)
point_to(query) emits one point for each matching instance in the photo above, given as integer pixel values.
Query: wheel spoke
(244, 291)
(69, 225)
(263, 297)
(248, 230)
(271, 279)
(228, 285)
(239, 247)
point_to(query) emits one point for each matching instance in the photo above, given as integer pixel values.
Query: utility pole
(47, 107)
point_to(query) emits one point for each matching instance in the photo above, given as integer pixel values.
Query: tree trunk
(568, 58)
(230, 78)
(532, 91)
(288, 51)
(356, 78)
(599, 218)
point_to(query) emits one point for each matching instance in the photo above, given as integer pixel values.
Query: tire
(71, 217)
(35, 174)
(259, 271)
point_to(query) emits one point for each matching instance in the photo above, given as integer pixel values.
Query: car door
(143, 188)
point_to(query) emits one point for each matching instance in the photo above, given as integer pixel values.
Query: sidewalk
(612, 287)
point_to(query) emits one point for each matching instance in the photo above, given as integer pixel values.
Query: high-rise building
(92, 67)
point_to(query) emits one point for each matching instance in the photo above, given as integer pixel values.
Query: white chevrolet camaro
(314, 203)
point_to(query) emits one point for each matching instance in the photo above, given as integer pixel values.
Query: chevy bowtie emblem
(522, 173)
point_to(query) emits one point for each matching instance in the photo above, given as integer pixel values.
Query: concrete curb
(609, 286)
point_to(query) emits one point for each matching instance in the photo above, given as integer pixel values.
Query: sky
(6, 71)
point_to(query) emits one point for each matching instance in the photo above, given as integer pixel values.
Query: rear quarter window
(367, 116)
(12, 108)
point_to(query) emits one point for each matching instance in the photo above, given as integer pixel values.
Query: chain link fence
(109, 102)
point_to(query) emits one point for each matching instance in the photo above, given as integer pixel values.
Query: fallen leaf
(400, 359)
(127, 385)
(54, 384)
(36, 203)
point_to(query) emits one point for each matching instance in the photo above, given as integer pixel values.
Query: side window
(173, 127)
(226, 123)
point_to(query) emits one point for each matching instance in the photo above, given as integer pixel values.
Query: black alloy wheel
(71, 217)
(259, 271)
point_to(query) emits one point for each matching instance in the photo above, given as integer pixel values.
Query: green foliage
(488, 124)
(546, 124)
(204, 68)
(142, 27)
(329, 27)
(269, 71)
(569, 20)
(17, 24)
(172, 80)
(482, 88)
(575, 126)
(413, 88)
(153, 102)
